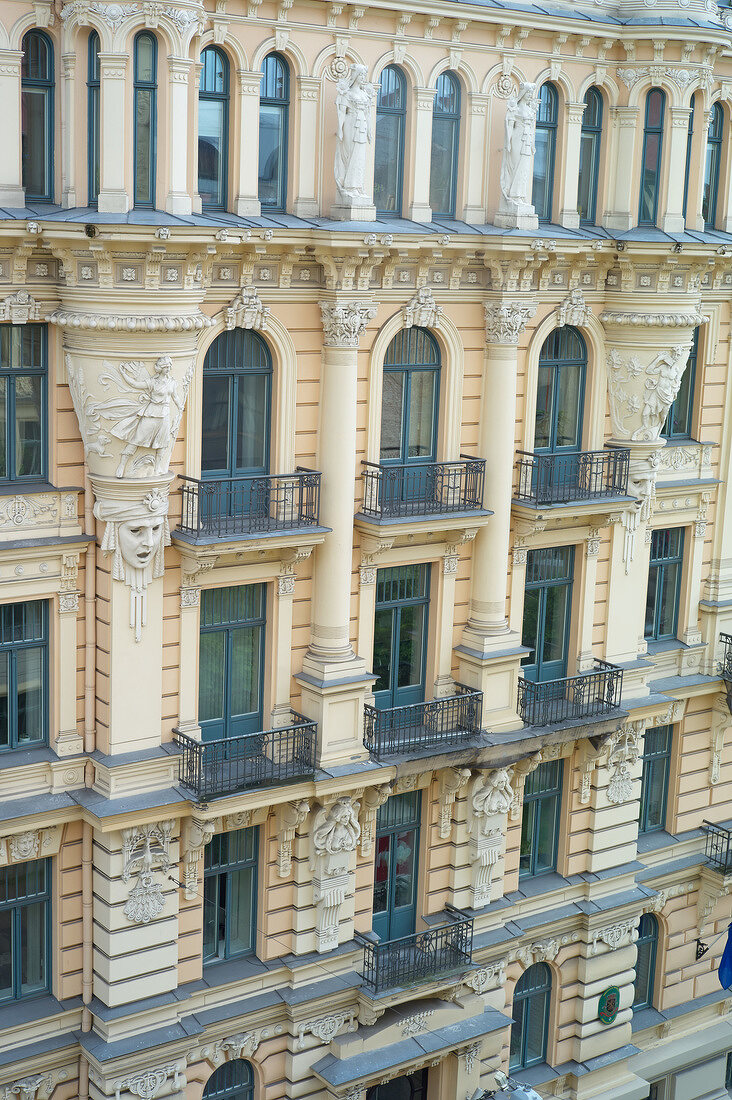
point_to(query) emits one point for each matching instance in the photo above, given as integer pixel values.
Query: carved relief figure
(353, 107)
(337, 829)
(492, 794)
(663, 379)
(517, 165)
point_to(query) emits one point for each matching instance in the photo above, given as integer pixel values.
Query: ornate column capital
(505, 321)
(345, 322)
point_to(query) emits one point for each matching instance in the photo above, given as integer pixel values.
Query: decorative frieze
(30, 844)
(326, 1028)
(145, 849)
(149, 1083)
(247, 311)
(36, 1086)
(125, 322)
(488, 977)
(541, 951)
(416, 1024)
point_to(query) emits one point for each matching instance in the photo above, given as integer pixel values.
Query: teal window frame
(541, 814)
(713, 160)
(23, 356)
(547, 117)
(687, 167)
(227, 857)
(233, 1080)
(22, 886)
(93, 100)
(413, 351)
(645, 966)
(446, 112)
(224, 614)
(728, 1073)
(399, 816)
(145, 87)
(563, 350)
(402, 587)
(24, 630)
(657, 745)
(235, 357)
(651, 164)
(211, 58)
(275, 95)
(38, 79)
(680, 416)
(590, 145)
(664, 575)
(530, 1012)
(391, 102)
(547, 568)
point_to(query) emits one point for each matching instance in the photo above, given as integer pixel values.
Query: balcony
(422, 490)
(545, 480)
(418, 727)
(571, 699)
(725, 666)
(421, 957)
(718, 847)
(212, 769)
(246, 507)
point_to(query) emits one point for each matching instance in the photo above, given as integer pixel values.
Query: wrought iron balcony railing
(586, 695)
(718, 846)
(568, 478)
(421, 957)
(211, 769)
(423, 489)
(235, 506)
(418, 726)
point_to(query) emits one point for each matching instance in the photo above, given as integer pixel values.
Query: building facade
(365, 573)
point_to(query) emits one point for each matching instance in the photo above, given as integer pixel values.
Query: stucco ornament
(353, 135)
(423, 310)
(505, 321)
(334, 838)
(37, 1086)
(198, 834)
(145, 849)
(644, 393)
(149, 1083)
(19, 308)
(663, 379)
(136, 535)
(492, 794)
(336, 829)
(573, 310)
(344, 322)
(247, 311)
(624, 753)
(490, 799)
(517, 165)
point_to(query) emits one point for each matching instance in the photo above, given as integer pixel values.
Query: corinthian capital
(505, 321)
(344, 322)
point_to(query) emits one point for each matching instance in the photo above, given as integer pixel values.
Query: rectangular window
(728, 1074)
(23, 372)
(23, 674)
(654, 782)
(231, 661)
(540, 825)
(230, 895)
(24, 929)
(680, 415)
(664, 583)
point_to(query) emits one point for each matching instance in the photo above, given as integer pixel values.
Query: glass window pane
(654, 794)
(667, 595)
(210, 917)
(4, 472)
(535, 1051)
(145, 59)
(546, 835)
(555, 622)
(271, 155)
(517, 1031)
(651, 596)
(587, 186)
(569, 398)
(211, 143)
(143, 145)
(544, 404)
(443, 165)
(381, 874)
(215, 433)
(4, 710)
(528, 823)
(411, 638)
(392, 414)
(649, 179)
(211, 676)
(642, 986)
(245, 671)
(530, 630)
(30, 688)
(252, 422)
(6, 954)
(404, 854)
(422, 392)
(35, 137)
(387, 163)
(383, 627)
(241, 911)
(33, 947)
(28, 421)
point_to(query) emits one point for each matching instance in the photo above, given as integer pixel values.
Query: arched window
(687, 168)
(652, 151)
(213, 128)
(530, 1017)
(409, 409)
(445, 142)
(391, 113)
(711, 168)
(681, 412)
(93, 131)
(546, 145)
(232, 1081)
(560, 392)
(645, 966)
(146, 86)
(37, 116)
(589, 166)
(274, 100)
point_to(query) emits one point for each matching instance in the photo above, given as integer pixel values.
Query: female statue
(517, 167)
(353, 106)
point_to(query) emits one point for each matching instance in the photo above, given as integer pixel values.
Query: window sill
(227, 971)
(29, 1010)
(655, 840)
(646, 1017)
(33, 754)
(532, 886)
(535, 1075)
(664, 645)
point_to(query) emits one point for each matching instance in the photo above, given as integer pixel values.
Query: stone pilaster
(68, 132)
(489, 799)
(11, 186)
(113, 195)
(178, 200)
(568, 213)
(305, 201)
(247, 201)
(624, 122)
(419, 208)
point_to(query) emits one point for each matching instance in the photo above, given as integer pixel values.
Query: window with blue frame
(560, 392)
(145, 121)
(37, 89)
(400, 635)
(93, 117)
(664, 583)
(445, 146)
(395, 866)
(540, 823)
(546, 147)
(23, 385)
(645, 966)
(274, 106)
(23, 674)
(689, 146)
(231, 661)
(652, 153)
(230, 895)
(728, 1073)
(391, 115)
(213, 128)
(232, 1081)
(25, 929)
(530, 1028)
(654, 780)
(680, 417)
(715, 134)
(547, 610)
(589, 166)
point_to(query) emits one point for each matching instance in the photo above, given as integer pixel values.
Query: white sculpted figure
(353, 106)
(517, 166)
(336, 829)
(662, 386)
(143, 418)
(492, 794)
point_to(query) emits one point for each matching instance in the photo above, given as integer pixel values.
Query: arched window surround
(215, 90)
(234, 1080)
(446, 116)
(145, 104)
(533, 993)
(38, 79)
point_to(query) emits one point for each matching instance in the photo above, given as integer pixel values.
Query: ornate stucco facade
(119, 797)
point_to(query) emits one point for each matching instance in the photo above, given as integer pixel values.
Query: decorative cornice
(505, 321)
(654, 320)
(345, 322)
(128, 322)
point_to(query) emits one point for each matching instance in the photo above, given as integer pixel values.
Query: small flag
(725, 965)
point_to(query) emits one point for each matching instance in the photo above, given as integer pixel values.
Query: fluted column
(11, 185)
(247, 197)
(113, 196)
(487, 633)
(625, 123)
(419, 209)
(179, 199)
(334, 679)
